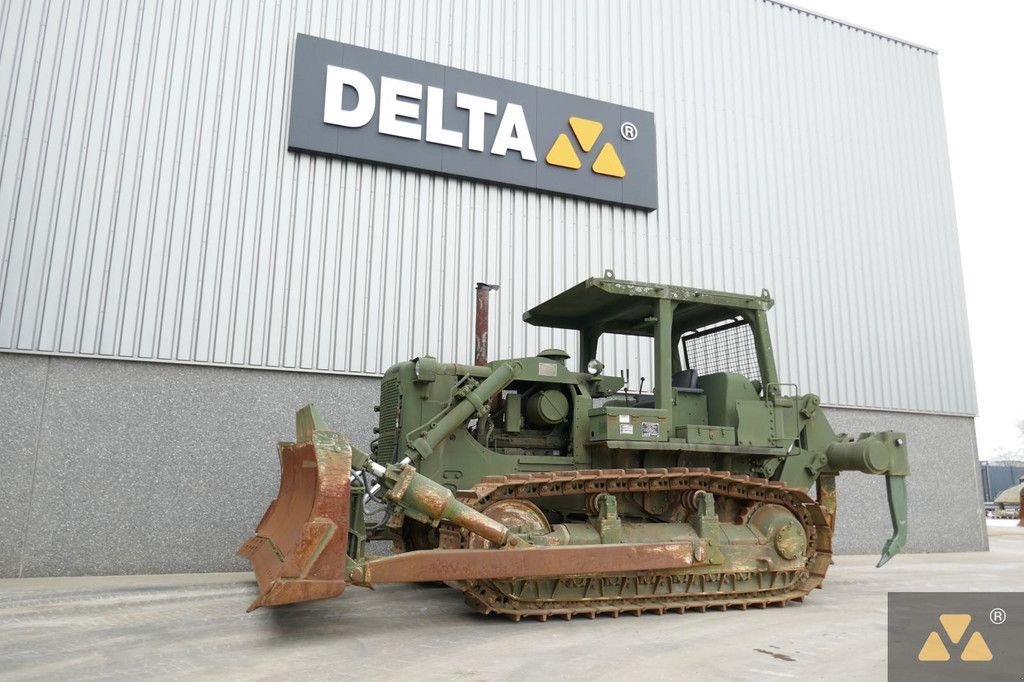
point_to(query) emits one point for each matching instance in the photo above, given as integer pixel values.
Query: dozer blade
(299, 550)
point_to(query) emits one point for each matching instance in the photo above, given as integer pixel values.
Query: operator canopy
(605, 305)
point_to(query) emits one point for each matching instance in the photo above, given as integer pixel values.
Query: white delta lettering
(400, 113)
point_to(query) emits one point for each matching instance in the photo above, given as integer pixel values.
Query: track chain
(703, 590)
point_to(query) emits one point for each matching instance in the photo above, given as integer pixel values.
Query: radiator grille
(390, 400)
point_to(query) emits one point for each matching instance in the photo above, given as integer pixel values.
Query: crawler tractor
(542, 489)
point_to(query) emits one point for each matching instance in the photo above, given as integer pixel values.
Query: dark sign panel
(356, 103)
(956, 635)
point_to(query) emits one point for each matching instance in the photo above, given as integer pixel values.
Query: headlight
(595, 367)
(424, 369)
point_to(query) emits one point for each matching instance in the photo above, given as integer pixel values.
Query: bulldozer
(542, 489)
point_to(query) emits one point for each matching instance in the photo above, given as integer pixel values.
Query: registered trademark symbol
(628, 130)
(997, 616)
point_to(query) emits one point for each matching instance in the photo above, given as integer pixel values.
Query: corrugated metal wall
(149, 209)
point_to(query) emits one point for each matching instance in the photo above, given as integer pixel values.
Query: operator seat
(686, 381)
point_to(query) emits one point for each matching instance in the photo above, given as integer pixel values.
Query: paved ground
(196, 626)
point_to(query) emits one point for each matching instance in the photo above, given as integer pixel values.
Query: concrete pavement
(175, 626)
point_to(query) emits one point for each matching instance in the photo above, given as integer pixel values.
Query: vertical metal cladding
(149, 209)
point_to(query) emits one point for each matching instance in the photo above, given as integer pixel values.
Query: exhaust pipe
(482, 320)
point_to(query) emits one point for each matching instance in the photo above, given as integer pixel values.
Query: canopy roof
(616, 306)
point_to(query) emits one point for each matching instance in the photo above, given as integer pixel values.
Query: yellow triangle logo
(608, 163)
(562, 154)
(976, 649)
(955, 625)
(933, 649)
(586, 131)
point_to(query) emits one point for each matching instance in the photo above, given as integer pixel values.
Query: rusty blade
(299, 550)
(531, 562)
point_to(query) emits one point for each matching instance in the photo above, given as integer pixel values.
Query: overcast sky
(981, 63)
